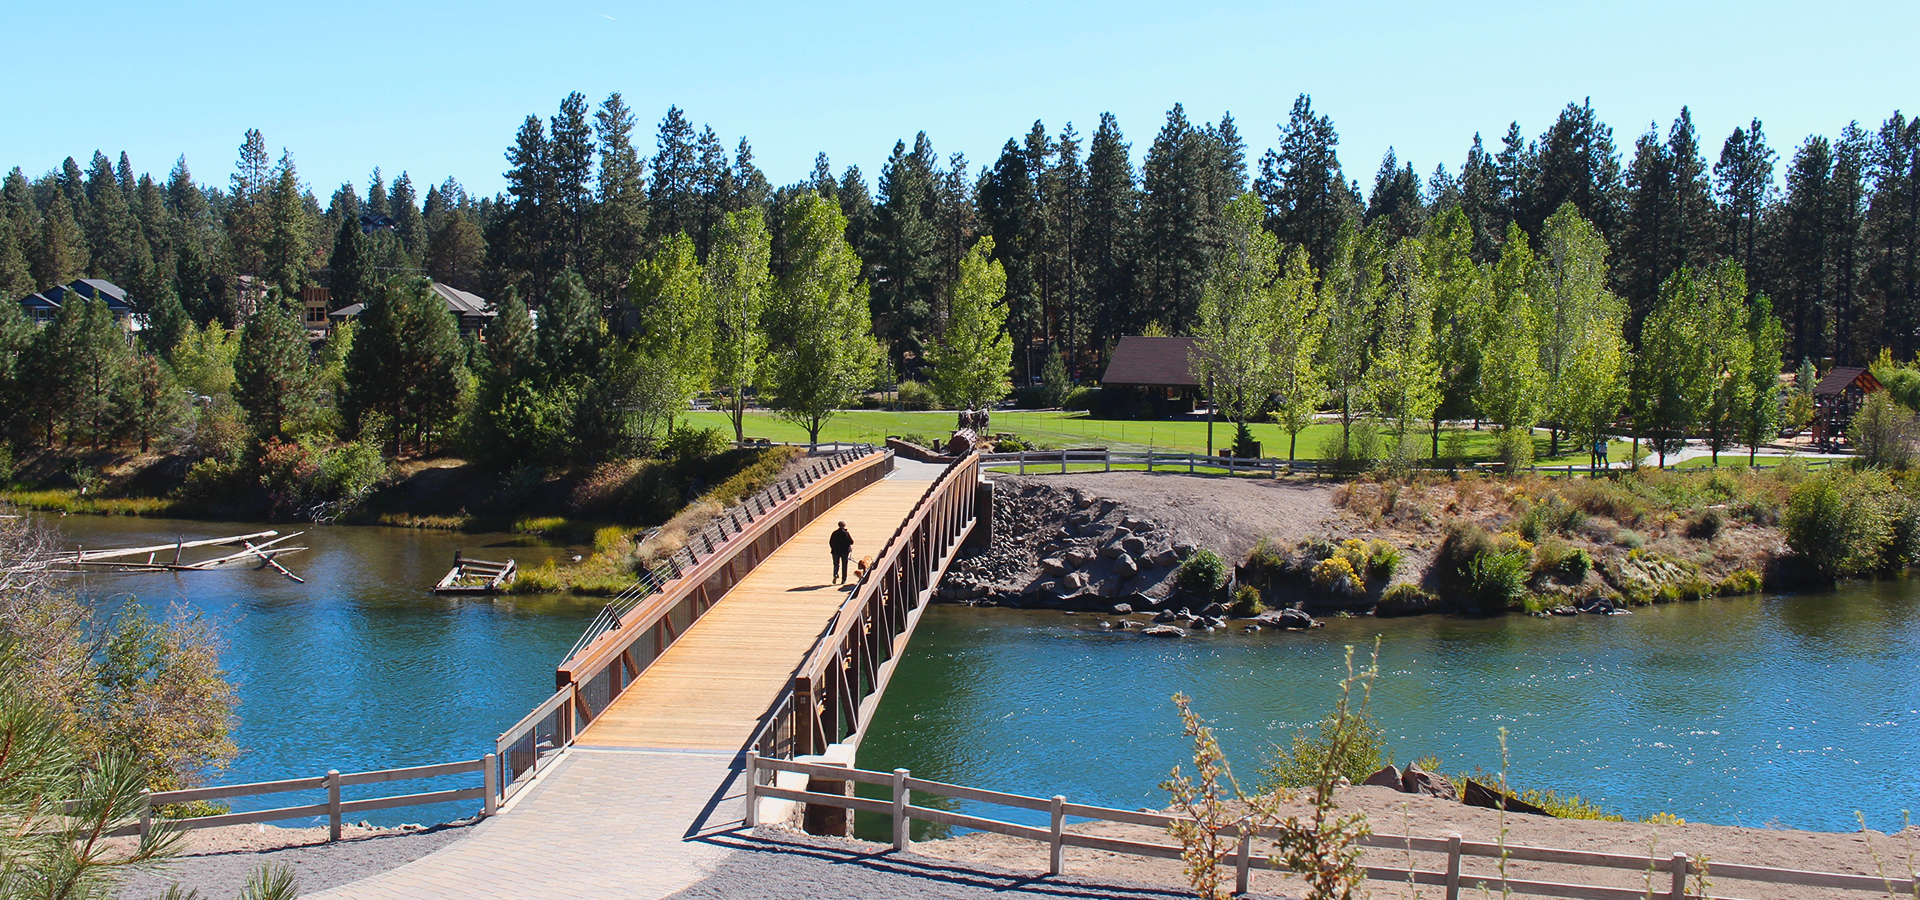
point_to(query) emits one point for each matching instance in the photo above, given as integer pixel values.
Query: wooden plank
(435, 771)
(977, 795)
(943, 817)
(86, 555)
(354, 806)
(225, 791)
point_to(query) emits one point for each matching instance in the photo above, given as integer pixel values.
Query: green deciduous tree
(676, 319)
(1350, 299)
(1403, 376)
(1299, 323)
(822, 330)
(1673, 374)
(1759, 422)
(1462, 314)
(1569, 289)
(1511, 387)
(975, 353)
(1235, 322)
(738, 280)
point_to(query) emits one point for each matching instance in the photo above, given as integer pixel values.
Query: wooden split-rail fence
(1105, 460)
(1671, 877)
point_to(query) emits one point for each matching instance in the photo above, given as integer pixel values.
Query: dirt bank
(217, 861)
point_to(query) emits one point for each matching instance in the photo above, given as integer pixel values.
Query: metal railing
(1040, 462)
(837, 689)
(1660, 877)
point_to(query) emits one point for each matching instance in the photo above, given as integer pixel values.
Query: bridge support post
(752, 819)
(830, 820)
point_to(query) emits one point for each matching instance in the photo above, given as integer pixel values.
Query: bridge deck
(711, 687)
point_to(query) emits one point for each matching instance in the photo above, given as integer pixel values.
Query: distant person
(841, 543)
(1600, 450)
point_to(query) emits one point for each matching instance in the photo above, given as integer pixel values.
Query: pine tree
(1668, 223)
(166, 323)
(409, 225)
(570, 142)
(673, 196)
(1177, 224)
(1743, 182)
(676, 319)
(249, 220)
(738, 277)
(900, 251)
(113, 233)
(1396, 201)
(1010, 210)
(1065, 199)
(1108, 239)
(1479, 187)
(80, 368)
(1577, 163)
(16, 277)
(16, 397)
(350, 277)
(62, 252)
(287, 247)
(457, 254)
(271, 377)
(522, 235)
(406, 373)
(974, 354)
(573, 337)
(822, 333)
(1308, 199)
(617, 223)
(1893, 230)
(1856, 329)
(1801, 278)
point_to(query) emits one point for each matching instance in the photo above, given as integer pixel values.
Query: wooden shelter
(1158, 369)
(1838, 395)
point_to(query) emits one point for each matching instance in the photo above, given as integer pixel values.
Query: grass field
(1053, 430)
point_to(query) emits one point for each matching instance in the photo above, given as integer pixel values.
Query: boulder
(1169, 631)
(1414, 781)
(1291, 619)
(1490, 798)
(1166, 616)
(1216, 610)
(1166, 558)
(1133, 546)
(1132, 524)
(1054, 565)
(1121, 609)
(1082, 501)
(1183, 550)
(1387, 777)
(1074, 580)
(1067, 532)
(1125, 566)
(1080, 556)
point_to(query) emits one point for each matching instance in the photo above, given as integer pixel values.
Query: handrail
(334, 808)
(1676, 868)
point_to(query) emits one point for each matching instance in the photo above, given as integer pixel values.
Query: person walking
(841, 543)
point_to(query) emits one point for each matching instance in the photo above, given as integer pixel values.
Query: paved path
(631, 809)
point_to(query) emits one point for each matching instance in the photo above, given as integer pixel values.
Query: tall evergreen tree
(570, 142)
(1893, 229)
(1669, 215)
(248, 217)
(410, 225)
(1178, 223)
(271, 377)
(1308, 198)
(1801, 278)
(406, 371)
(1010, 210)
(1743, 183)
(673, 196)
(617, 224)
(350, 273)
(289, 231)
(1107, 244)
(900, 252)
(1396, 202)
(522, 235)
(1578, 163)
(61, 254)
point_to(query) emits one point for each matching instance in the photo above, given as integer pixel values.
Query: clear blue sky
(438, 89)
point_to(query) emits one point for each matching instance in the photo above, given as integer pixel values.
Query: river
(1793, 711)
(361, 667)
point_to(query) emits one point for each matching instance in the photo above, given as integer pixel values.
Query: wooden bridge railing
(838, 687)
(625, 640)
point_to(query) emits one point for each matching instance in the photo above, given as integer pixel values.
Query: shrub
(1841, 524)
(1335, 575)
(1081, 398)
(1201, 574)
(1556, 559)
(1706, 524)
(1554, 516)
(1010, 445)
(1567, 806)
(1884, 433)
(1405, 599)
(1498, 579)
(1630, 539)
(1034, 397)
(1353, 452)
(6, 464)
(1246, 602)
(1738, 582)
(1244, 446)
(1383, 559)
(914, 395)
(693, 445)
(1513, 447)
(349, 472)
(1353, 747)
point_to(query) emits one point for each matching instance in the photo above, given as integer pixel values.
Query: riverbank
(217, 861)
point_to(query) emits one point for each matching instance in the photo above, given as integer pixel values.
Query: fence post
(490, 782)
(1679, 877)
(753, 789)
(900, 831)
(1063, 462)
(1108, 456)
(1023, 462)
(1189, 464)
(146, 813)
(1243, 867)
(1059, 825)
(1453, 866)
(333, 804)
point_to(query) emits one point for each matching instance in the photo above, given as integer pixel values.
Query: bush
(1630, 539)
(694, 445)
(1513, 447)
(1246, 602)
(6, 464)
(1335, 575)
(915, 395)
(1353, 747)
(1383, 559)
(1201, 574)
(1405, 599)
(1244, 446)
(1555, 516)
(1706, 524)
(348, 473)
(1843, 524)
(1884, 433)
(1565, 563)
(1353, 453)
(1081, 398)
(1010, 445)
(1498, 579)
(1739, 582)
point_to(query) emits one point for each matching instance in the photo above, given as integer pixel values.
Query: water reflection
(1794, 711)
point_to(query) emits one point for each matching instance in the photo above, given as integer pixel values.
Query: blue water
(362, 667)
(1790, 711)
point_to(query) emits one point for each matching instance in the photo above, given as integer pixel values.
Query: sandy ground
(217, 861)
(1228, 515)
(1391, 812)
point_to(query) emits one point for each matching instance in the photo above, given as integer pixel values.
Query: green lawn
(1075, 429)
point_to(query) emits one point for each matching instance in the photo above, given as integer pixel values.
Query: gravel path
(219, 860)
(770, 865)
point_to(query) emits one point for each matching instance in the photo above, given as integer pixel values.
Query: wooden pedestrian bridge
(738, 642)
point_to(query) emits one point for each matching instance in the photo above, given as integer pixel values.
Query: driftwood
(115, 560)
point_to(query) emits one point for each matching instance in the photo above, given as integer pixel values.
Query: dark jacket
(841, 543)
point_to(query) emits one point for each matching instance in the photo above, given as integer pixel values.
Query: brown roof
(1152, 361)
(1843, 377)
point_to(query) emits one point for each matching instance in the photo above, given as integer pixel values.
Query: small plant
(1201, 574)
(1706, 524)
(1246, 602)
(686, 446)
(1383, 559)
(915, 395)
(1335, 575)
(1630, 539)
(1739, 582)
(1010, 445)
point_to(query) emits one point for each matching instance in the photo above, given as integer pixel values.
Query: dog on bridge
(860, 568)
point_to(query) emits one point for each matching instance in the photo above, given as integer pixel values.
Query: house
(1158, 369)
(470, 311)
(314, 302)
(1836, 397)
(44, 307)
